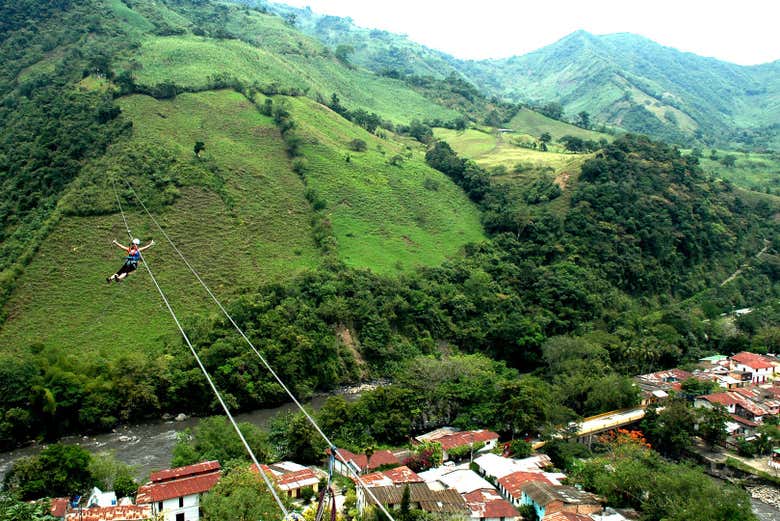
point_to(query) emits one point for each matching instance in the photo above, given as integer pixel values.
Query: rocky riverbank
(765, 493)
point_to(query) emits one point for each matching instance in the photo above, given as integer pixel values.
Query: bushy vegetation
(629, 474)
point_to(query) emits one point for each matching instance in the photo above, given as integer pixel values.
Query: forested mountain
(620, 80)
(349, 243)
(634, 83)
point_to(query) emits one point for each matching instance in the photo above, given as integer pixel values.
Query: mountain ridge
(620, 79)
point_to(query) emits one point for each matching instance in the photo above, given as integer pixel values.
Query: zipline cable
(203, 368)
(278, 379)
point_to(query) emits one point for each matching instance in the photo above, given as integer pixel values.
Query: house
(361, 463)
(487, 505)
(548, 499)
(421, 497)
(479, 440)
(495, 466)
(761, 368)
(99, 498)
(174, 494)
(747, 407)
(459, 478)
(394, 476)
(291, 478)
(655, 387)
(511, 485)
(112, 513)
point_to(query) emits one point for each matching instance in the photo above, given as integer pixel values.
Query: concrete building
(174, 494)
(760, 367)
(548, 499)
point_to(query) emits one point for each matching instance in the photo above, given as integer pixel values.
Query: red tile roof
(187, 486)
(116, 513)
(59, 505)
(724, 398)
(297, 479)
(378, 459)
(487, 503)
(403, 474)
(566, 516)
(180, 472)
(459, 439)
(753, 360)
(743, 421)
(513, 483)
(395, 476)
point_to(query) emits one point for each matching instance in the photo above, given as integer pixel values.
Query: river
(148, 446)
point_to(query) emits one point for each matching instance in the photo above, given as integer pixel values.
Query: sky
(746, 32)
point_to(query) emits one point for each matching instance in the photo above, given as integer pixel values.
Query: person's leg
(126, 270)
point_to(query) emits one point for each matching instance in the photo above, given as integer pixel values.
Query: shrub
(358, 145)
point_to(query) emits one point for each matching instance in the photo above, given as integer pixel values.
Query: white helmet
(136, 241)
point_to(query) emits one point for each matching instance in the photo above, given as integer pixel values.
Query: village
(475, 477)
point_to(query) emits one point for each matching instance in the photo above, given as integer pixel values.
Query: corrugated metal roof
(117, 513)
(443, 501)
(152, 492)
(180, 472)
(487, 503)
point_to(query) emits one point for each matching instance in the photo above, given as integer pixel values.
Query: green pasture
(385, 217)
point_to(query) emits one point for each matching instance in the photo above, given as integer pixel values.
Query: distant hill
(634, 83)
(621, 80)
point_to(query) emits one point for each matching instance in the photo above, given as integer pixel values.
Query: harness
(133, 256)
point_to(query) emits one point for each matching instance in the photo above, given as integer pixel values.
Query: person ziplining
(131, 261)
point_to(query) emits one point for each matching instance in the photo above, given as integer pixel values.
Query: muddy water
(147, 446)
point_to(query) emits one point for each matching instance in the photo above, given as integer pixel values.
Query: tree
(241, 495)
(404, 512)
(544, 139)
(583, 119)
(671, 430)
(215, 439)
(712, 424)
(729, 160)
(59, 470)
(358, 145)
(293, 437)
(111, 474)
(553, 110)
(343, 53)
(14, 510)
(573, 144)
(198, 148)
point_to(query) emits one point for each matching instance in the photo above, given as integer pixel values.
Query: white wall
(170, 507)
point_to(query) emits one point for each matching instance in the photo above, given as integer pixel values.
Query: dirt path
(739, 271)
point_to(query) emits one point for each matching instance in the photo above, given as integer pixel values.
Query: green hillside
(633, 83)
(388, 208)
(256, 229)
(249, 225)
(621, 80)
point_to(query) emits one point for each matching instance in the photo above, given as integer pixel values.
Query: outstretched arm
(151, 243)
(119, 245)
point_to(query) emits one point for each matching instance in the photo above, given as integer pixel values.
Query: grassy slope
(752, 171)
(535, 124)
(382, 215)
(63, 299)
(490, 151)
(189, 61)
